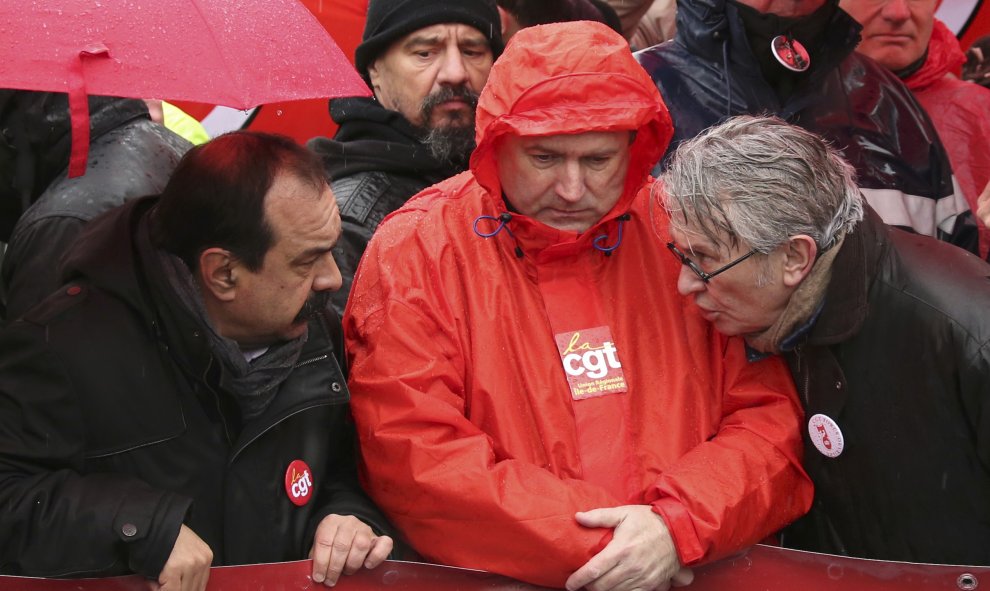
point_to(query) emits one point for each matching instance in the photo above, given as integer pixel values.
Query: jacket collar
(855, 267)
(704, 26)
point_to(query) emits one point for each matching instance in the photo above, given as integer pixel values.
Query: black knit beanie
(390, 20)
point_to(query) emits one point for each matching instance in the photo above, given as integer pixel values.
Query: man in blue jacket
(795, 59)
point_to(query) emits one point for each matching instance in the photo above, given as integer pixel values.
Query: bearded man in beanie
(426, 61)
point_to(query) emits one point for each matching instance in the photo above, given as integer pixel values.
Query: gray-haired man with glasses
(886, 333)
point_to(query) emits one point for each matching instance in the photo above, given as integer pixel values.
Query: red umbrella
(238, 53)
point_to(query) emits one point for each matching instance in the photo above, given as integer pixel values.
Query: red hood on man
(531, 91)
(945, 56)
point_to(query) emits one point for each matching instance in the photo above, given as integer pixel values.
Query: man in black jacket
(426, 61)
(795, 59)
(181, 400)
(885, 331)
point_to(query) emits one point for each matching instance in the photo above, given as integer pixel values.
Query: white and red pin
(826, 435)
(299, 483)
(790, 53)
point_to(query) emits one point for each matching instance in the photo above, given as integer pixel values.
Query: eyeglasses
(705, 276)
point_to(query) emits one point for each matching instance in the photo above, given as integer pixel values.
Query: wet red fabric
(960, 111)
(471, 439)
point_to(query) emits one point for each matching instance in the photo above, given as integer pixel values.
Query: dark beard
(451, 140)
(315, 303)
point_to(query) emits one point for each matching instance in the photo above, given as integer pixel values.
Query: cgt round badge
(299, 483)
(790, 53)
(826, 435)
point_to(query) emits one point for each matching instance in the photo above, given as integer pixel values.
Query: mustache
(448, 93)
(317, 302)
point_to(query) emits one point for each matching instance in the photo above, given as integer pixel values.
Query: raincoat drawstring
(503, 219)
(618, 238)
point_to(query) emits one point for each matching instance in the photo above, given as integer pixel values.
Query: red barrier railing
(761, 568)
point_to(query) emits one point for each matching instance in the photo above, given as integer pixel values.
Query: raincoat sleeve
(758, 485)
(55, 520)
(438, 476)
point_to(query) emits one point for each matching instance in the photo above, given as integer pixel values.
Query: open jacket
(899, 358)
(709, 73)
(113, 431)
(460, 317)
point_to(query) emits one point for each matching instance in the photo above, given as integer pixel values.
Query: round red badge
(826, 435)
(790, 53)
(299, 483)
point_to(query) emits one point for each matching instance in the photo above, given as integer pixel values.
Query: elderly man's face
(895, 32)
(743, 300)
(433, 75)
(298, 273)
(568, 182)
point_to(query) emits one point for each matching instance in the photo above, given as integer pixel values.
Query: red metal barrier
(761, 568)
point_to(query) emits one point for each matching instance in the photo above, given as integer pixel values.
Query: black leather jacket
(113, 431)
(375, 162)
(709, 72)
(899, 358)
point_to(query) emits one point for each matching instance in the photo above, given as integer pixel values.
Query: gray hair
(760, 180)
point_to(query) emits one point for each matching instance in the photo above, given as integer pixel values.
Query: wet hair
(759, 181)
(216, 196)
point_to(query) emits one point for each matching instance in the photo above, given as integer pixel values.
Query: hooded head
(565, 79)
(390, 20)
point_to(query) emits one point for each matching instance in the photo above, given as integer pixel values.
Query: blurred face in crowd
(785, 8)
(274, 303)
(746, 298)
(433, 75)
(895, 32)
(567, 182)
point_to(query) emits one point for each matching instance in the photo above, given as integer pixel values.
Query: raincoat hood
(945, 56)
(570, 78)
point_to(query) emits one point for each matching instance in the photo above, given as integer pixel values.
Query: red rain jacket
(471, 439)
(960, 111)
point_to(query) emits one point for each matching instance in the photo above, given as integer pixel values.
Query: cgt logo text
(299, 483)
(300, 488)
(584, 359)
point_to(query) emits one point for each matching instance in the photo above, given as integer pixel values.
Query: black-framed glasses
(704, 275)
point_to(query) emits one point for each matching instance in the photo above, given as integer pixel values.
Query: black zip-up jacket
(708, 73)
(113, 432)
(899, 358)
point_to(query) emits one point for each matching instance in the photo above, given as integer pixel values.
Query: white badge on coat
(826, 435)
(790, 53)
(591, 362)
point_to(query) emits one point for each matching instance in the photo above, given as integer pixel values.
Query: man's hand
(983, 206)
(343, 543)
(188, 566)
(640, 556)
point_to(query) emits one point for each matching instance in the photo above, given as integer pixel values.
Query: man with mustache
(181, 401)
(426, 61)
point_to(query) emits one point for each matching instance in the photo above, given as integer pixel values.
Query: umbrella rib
(240, 102)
